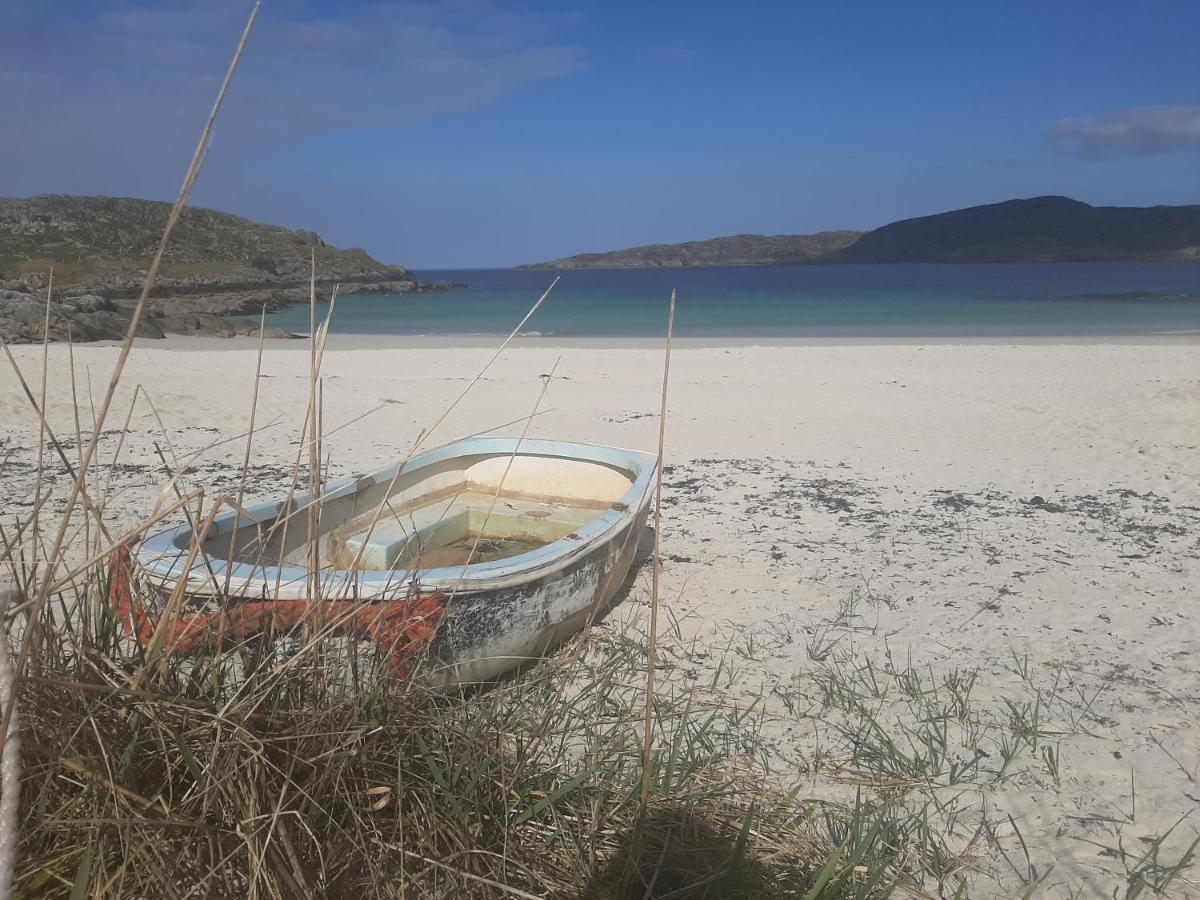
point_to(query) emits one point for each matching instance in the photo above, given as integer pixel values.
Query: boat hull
(495, 615)
(485, 633)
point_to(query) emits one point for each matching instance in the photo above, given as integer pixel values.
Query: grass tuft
(226, 779)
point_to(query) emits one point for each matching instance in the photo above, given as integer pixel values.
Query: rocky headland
(737, 250)
(217, 266)
(1038, 229)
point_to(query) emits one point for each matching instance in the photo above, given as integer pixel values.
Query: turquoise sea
(1011, 299)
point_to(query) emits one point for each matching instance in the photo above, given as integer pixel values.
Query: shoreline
(344, 342)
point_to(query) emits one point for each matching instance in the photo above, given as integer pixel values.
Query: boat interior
(458, 511)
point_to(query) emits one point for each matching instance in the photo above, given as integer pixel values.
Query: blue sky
(476, 133)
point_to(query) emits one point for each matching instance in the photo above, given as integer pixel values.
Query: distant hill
(1041, 229)
(215, 262)
(1035, 230)
(739, 250)
(216, 265)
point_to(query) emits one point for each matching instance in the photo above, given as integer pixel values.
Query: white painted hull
(499, 613)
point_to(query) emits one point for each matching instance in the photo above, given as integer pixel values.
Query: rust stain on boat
(400, 628)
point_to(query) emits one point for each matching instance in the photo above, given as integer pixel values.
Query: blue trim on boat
(163, 555)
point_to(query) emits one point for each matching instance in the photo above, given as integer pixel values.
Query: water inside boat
(464, 526)
(460, 511)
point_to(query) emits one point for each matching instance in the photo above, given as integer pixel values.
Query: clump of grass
(226, 780)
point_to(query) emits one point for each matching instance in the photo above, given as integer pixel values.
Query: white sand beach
(1026, 511)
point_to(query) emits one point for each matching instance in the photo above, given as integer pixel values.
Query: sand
(1025, 511)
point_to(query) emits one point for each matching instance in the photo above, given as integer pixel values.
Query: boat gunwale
(163, 556)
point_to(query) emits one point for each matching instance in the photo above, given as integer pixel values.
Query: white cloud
(1136, 131)
(123, 87)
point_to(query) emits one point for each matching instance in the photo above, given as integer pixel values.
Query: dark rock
(89, 303)
(208, 325)
(1136, 297)
(91, 318)
(23, 320)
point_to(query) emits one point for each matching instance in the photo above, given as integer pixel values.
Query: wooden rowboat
(480, 555)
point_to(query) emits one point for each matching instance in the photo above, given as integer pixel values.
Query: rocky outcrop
(216, 264)
(208, 325)
(84, 318)
(89, 317)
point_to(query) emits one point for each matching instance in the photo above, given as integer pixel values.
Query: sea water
(1011, 299)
